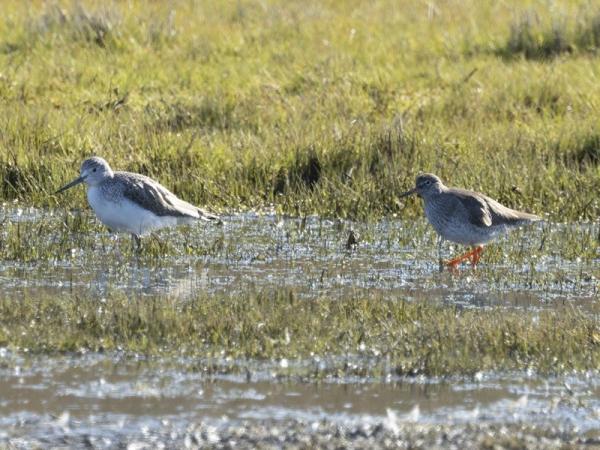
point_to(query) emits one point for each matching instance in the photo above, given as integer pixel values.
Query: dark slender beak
(407, 193)
(75, 182)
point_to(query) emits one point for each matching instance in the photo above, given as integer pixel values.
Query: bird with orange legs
(465, 217)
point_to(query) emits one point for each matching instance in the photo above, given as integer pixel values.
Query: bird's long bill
(407, 193)
(75, 182)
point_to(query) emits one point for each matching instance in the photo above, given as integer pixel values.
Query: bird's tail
(524, 218)
(530, 217)
(208, 217)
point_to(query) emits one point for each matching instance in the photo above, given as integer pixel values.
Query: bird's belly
(124, 215)
(467, 235)
(463, 232)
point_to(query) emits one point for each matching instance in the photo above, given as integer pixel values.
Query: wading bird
(125, 201)
(465, 217)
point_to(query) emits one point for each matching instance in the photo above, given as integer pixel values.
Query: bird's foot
(473, 255)
(455, 262)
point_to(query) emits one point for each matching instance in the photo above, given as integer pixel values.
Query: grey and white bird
(134, 203)
(465, 217)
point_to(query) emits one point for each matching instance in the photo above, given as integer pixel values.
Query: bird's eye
(427, 182)
(94, 169)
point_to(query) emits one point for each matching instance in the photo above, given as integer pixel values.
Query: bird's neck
(439, 189)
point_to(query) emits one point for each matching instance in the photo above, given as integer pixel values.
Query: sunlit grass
(318, 107)
(359, 336)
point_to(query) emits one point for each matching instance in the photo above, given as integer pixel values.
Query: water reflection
(102, 390)
(308, 256)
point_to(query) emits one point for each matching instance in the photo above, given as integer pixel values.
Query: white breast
(121, 214)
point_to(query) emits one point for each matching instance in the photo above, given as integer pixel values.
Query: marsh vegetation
(301, 123)
(327, 108)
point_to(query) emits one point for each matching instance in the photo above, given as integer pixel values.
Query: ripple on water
(104, 390)
(309, 256)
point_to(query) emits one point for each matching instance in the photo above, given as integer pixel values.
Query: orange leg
(473, 255)
(476, 255)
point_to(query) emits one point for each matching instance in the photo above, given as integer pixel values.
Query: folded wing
(157, 199)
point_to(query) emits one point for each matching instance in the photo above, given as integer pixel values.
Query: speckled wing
(476, 207)
(155, 198)
(485, 211)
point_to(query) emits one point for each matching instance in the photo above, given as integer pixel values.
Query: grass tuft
(530, 39)
(562, 34)
(587, 153)
(99, 27)
(390, 336)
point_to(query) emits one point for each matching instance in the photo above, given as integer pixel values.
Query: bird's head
(426, 184)
(93, 170)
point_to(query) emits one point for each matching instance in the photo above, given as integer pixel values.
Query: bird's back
(154, 197)
(470, 218)
(485, 211)
(151, 196)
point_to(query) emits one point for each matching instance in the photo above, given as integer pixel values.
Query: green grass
(562, 33)
(326, 107)
(380, 335)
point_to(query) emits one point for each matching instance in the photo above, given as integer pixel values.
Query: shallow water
(311, 258)
(98, 396)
